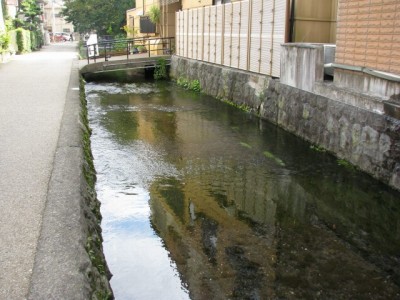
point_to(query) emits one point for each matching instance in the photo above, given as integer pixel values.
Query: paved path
(33, 89)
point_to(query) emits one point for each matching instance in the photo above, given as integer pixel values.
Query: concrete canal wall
(367, 139)
(69, 263)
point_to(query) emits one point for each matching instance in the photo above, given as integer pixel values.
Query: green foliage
(4, 42)
(182, 82)
(104, 16)
(193, 85)
(17, 23)
(245, 145)
(23, 40)
(4, 9)
(154, 14)
(242, 106)
(36, 40)
(160, 71)
(346, 164)
(317, 148)
(277, 160)
(141, 49)
(32, 12)
(120, 46)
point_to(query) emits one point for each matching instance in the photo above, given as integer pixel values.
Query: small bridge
(135, 55)
(122, 64)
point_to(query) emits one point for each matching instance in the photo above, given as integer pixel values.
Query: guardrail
(147, 46)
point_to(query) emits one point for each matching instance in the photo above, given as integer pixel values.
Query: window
(146, 26)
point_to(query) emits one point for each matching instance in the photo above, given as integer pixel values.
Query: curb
(63, 268)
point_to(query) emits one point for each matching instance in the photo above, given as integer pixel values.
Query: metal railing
(145, 47)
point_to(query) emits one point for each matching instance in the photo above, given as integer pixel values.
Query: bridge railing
(136, 47)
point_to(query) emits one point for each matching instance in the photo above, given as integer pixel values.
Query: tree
(104, 16)
(155, 16)
(2, 17)
(31, 11)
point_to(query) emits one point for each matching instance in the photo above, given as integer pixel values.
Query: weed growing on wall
(193, 85)
(160, 71)
(243, 106)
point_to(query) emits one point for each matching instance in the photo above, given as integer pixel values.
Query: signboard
(92, 44)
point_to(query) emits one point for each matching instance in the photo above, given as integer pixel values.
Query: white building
(12, 8)
(53, 21)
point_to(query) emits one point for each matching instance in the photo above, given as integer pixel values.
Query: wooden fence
(246, 35)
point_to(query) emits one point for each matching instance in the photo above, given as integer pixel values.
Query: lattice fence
(244, 35)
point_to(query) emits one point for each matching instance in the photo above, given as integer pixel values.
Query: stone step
(348, 96)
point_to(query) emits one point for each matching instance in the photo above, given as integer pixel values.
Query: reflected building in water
(247, 228)
(254, 213)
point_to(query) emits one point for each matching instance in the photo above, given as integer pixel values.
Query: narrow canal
(203, 201)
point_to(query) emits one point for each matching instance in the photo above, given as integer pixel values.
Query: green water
(203, 201)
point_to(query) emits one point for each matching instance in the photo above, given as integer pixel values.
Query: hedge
(23, 40)
(28, 41)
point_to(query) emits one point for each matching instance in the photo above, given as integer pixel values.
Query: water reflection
(245, 210)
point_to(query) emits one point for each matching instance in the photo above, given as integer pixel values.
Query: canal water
(203, 201)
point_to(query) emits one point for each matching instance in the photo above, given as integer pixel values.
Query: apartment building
(139, 24)
(53, 21)
(368, 46)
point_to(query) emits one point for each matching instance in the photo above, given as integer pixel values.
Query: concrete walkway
(33, 93)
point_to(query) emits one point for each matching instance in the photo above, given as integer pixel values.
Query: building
(248, 35)
(368, 47)
(53, 21)
(312, 21)
(139, 24)
(12, 8)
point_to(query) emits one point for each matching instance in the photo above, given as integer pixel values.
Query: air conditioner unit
(329, 58)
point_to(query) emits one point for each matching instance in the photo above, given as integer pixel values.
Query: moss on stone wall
(99, 274)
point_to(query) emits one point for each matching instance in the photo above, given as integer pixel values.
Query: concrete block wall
(368, 34)
(302, 65)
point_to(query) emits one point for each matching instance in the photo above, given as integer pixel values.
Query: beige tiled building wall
(188, 4)
(368, 34)
(166, 28)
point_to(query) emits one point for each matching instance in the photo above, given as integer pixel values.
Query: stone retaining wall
(69, 262)
(368, 140)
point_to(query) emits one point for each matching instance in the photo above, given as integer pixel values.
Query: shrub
(141, 49)
(155, 14)
(193, 85)
(36, 40)
(4, 42)
(23, 40)
(160, 71)
(120, 46)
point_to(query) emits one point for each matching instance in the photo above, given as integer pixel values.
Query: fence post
(105, 52)
(271, 62)
(223, 35)
(249, 34)
(261, 32)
